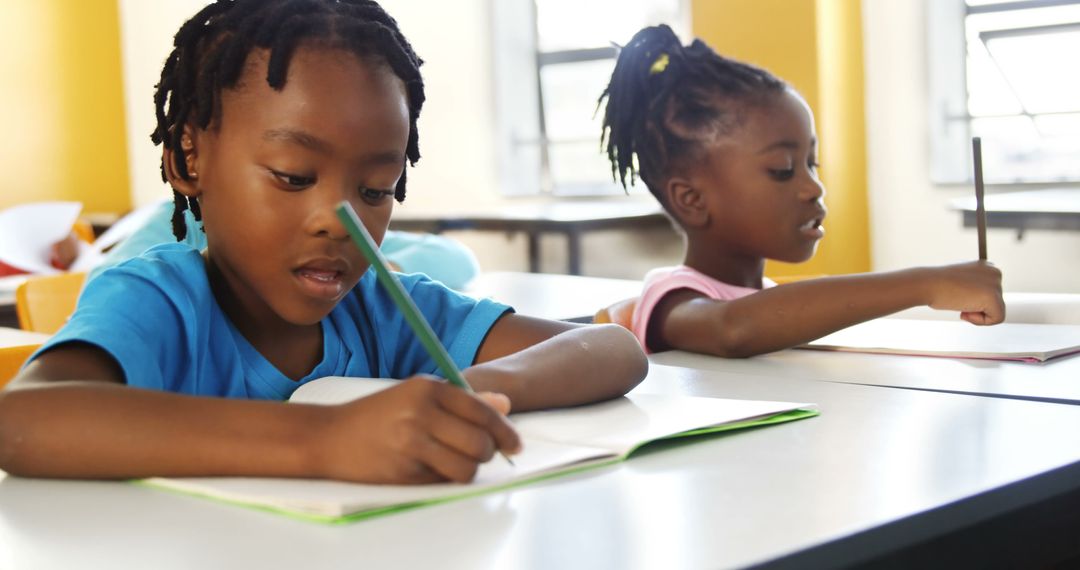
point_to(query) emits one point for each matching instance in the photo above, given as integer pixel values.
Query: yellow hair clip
(660, 64)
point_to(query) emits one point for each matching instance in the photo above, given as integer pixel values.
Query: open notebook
(555, 442)
(957, 339)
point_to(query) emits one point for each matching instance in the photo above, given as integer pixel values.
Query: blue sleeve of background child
(440, 258)
(157, 229)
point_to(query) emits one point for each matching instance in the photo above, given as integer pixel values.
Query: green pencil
(404, 302)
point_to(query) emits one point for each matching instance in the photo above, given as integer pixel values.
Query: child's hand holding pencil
(973, 288)
(420, 431)
(360, 236)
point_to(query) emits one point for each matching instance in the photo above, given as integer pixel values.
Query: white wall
(456, 130)
(147, 30)
(910, 221)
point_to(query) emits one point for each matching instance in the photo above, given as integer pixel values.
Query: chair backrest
(83, 230)
(12, 359)
(43, 304)
(620, 313)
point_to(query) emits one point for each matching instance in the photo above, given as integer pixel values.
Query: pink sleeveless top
(661, 281)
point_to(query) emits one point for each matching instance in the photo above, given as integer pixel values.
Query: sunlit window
(573, 53)
(1023, 88)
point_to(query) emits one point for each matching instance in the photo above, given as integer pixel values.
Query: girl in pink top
(730, 152)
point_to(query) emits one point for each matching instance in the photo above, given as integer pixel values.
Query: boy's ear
(687, 203)
(190, 186)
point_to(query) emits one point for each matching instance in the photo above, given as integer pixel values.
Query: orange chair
(621, 313)
(15, 347)
(43, 304)
(12, 359)
(83, 230)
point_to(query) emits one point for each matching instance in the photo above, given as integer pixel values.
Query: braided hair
(210, 50)
(665, 101)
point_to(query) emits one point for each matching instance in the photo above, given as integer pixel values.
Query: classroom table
(12, 337)
(1050, 209)
(550, 296)
(879, 474)
(1056, 380)
(570, 217)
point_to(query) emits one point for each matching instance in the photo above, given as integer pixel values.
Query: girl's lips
(813, 229)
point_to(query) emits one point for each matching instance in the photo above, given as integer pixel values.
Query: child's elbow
(633, 365)
(11, 437)
(733, 341)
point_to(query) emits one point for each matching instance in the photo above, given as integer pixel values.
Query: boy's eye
(813, 165)
(294, 181)
(375, 196)
(782, 174)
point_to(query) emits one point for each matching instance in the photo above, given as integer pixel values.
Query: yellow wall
(61, 104)
(816, 46)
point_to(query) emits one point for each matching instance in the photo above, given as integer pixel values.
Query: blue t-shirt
(155, 314)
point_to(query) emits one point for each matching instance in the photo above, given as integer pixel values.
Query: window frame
(524, 146)
(950, 121)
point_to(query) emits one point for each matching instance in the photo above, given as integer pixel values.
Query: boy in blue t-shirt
(175, 362)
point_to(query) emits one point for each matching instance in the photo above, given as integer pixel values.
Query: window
(1014, 83)
(553, 60)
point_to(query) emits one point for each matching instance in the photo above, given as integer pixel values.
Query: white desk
(1057, 380)
(10, 337)
(557, 297)
(878, 470)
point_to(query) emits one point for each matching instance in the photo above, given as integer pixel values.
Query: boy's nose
(323, 219)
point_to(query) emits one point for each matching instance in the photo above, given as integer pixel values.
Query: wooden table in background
(572, 218)
(1053, 209)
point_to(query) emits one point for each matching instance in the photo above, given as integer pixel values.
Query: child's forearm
(578, 366)
(65, 431)
(793, 314)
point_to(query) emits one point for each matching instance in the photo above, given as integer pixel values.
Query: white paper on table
(88, 258)
(28, 232)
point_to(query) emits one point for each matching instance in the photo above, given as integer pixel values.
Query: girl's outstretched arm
(539, 363)
(797, 313)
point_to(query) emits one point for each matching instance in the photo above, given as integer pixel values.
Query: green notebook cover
(557, 443)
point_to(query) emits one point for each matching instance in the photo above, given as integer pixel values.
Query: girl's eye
(374, 196)
(781, 175)
(294, 181)
(813, 165)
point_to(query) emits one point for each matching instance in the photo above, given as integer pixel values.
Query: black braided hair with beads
(665, 100)
(210, 50)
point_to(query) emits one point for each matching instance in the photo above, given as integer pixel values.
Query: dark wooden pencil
(980, 207)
